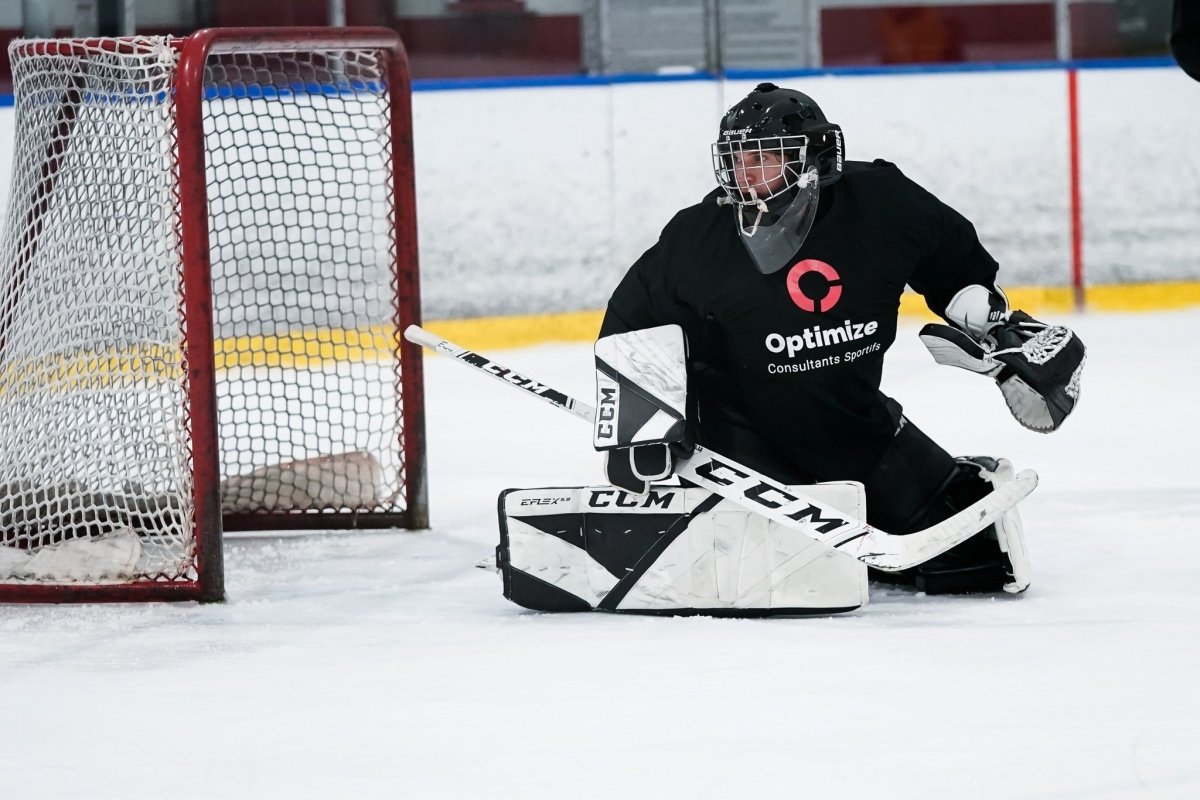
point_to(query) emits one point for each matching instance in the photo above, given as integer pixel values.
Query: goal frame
(197, 307)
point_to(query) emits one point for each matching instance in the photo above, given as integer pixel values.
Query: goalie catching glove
(1037, 366)
(641, 405)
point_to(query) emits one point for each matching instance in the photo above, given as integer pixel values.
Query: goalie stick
(784, 504)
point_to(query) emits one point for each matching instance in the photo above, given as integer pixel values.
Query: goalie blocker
(641, 405)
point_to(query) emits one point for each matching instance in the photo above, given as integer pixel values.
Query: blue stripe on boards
(923, 69)
(536, 81)
(532, 81)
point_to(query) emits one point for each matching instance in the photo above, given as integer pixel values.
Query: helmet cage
(760, 163)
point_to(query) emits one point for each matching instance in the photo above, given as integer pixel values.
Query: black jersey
(1185, 37)
(799, 353)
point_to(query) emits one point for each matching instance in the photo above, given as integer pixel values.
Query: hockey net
(209, 249)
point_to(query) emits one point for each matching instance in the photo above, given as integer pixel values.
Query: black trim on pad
(618, 592)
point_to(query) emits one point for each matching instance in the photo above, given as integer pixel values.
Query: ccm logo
(768, 496)
(607, 498)
(606, 413)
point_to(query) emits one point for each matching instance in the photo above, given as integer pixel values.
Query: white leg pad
(598, 549)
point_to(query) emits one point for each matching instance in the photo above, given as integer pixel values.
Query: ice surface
(385, 665)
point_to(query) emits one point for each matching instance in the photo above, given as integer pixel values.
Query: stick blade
(920, 546)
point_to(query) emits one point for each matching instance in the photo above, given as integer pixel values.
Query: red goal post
(210, 251)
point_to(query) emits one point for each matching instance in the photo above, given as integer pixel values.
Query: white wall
(1141, 174)
(538, 199)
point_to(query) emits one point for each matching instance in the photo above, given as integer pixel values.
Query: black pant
(902, 488)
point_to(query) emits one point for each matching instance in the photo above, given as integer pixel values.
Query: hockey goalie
(757, 327)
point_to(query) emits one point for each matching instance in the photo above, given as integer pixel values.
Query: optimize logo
(813, 304)
(816, 336)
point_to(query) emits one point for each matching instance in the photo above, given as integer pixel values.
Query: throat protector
(773, 237)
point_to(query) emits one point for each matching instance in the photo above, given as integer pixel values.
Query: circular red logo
(832, 280)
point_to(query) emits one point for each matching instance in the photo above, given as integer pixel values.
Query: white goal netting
(96, 438)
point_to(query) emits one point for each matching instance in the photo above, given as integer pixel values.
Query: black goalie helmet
(773, 154)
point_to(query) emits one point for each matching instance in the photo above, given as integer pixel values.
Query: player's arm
(633, 339)
(1037, 366)
(642, 298)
